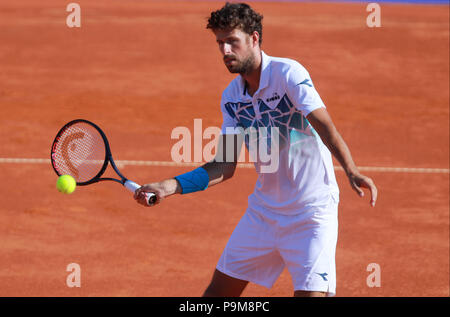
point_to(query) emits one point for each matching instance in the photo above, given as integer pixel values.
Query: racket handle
(132, 186)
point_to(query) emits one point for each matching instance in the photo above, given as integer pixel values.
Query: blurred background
(141, 68)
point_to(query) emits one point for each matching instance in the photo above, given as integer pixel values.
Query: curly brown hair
(236, 15)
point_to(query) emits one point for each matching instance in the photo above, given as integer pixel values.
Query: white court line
(122, 163)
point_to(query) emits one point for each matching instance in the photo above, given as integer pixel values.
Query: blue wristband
(193, 181)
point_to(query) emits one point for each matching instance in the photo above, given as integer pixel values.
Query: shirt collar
(265, 73)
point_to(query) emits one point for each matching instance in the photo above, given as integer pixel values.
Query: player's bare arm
(218, 170)
(323, 124)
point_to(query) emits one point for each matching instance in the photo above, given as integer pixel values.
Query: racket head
(80, 149)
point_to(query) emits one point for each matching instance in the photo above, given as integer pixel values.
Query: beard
(240, 66)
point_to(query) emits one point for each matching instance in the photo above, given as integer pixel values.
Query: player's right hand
(161, 190)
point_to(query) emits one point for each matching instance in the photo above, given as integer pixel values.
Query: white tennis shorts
(264, 243)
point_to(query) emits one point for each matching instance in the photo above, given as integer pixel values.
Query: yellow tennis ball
(66, 184)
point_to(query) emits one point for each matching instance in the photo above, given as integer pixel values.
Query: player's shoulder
(288, 70)
(233, 90)
(284, 66)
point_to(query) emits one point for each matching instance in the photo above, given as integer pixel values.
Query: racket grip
(132, 186)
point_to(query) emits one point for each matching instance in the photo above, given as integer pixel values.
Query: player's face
(236, 47)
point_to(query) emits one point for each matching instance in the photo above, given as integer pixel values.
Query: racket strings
(79, 151)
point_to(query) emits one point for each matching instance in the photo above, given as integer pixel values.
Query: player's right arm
(209, 174)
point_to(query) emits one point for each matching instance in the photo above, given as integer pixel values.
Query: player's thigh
(308, 249)
(251, 252)
(224, 285)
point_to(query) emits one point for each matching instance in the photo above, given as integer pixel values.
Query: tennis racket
(81, 149)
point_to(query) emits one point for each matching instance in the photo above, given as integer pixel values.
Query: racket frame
(108, 155)
(130, 185)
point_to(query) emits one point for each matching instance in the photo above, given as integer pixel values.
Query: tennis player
(292, 215)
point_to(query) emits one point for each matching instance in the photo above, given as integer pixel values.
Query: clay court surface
(141, 68)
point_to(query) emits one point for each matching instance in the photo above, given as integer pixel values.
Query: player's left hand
(358, 181)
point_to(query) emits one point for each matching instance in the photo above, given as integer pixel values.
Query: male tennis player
(291, 219)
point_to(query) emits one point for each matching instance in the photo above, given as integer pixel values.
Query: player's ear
(255, 38)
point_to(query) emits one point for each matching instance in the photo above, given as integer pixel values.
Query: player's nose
(225, 49)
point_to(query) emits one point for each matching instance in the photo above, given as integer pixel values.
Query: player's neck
(253, 76)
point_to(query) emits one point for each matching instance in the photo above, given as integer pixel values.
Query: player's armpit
(322, 123)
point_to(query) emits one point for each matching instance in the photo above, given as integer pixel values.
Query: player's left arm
(322, 123)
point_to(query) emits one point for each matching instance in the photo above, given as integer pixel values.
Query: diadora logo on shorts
(323, 275)
(274, 97)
